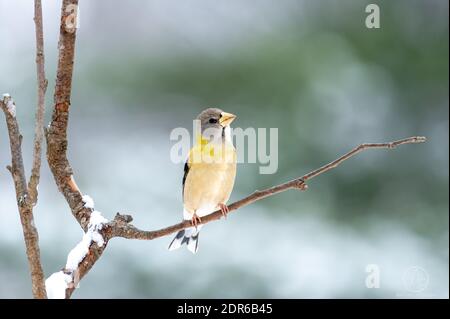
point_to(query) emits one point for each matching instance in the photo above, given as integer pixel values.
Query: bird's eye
(212, 121)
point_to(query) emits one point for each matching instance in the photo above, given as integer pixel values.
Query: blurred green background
(309, 68)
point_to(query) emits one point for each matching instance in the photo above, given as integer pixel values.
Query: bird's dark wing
(186, 170)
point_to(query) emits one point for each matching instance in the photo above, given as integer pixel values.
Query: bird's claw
(195, 220)
(224, 210)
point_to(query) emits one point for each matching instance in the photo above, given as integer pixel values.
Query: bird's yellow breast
(210, 179)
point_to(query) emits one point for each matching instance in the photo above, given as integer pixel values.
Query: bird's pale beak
(226, 118)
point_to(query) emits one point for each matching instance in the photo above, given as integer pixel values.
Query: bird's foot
(224, 210)
(195, 220)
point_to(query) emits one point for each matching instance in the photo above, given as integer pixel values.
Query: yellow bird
(209, 174)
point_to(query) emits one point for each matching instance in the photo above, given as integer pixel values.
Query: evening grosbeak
(209, 174)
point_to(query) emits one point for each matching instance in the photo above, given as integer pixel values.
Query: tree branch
(56, 134)
(41, 88)
(24, 203)
(121, 228)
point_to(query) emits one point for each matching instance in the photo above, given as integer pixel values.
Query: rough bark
(56, 134)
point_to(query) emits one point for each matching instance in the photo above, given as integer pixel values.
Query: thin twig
(23, 202)
(130, 232)
(41, 88)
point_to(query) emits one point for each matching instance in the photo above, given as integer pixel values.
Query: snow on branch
(58, 282)
(77, 254)
(9, 104)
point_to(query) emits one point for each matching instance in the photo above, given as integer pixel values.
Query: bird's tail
(188, 236)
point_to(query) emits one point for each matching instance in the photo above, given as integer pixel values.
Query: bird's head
(214, 122)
